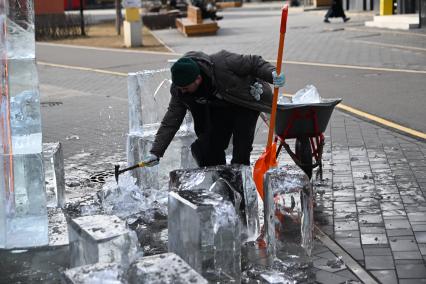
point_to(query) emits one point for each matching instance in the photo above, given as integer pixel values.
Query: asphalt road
(394, 95)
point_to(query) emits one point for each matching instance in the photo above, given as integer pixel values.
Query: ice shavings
(126, 198)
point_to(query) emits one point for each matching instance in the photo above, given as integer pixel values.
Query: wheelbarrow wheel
(304, 154)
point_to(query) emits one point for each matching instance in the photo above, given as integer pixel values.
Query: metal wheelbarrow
(306, 123)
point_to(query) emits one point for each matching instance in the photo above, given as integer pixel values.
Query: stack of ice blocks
(53, 161)
(240, 184)
(204, 230)
(149, 95)
(101, 238)
(23, 213)
(289, 208)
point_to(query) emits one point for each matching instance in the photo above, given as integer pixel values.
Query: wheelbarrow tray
(298, 120)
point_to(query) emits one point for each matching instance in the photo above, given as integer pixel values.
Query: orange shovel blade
(262, 165)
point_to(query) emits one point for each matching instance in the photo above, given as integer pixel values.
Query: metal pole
(83, 33)
(117, 17)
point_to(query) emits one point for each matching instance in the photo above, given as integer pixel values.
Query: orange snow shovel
(268, 158)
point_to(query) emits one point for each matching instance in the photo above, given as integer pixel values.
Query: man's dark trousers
(222, 123)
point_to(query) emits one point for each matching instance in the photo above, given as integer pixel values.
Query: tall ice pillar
(23, 215)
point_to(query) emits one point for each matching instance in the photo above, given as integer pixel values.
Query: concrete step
(401, 22)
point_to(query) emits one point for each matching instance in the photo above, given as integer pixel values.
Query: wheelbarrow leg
(304, 154)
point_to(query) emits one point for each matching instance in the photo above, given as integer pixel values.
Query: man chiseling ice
(225, 93)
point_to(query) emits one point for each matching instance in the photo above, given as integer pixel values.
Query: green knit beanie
(184, 72)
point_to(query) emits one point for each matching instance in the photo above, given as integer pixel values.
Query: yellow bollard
(386, 7)
(132, 14)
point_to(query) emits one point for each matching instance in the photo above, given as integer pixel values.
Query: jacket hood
(203, 60)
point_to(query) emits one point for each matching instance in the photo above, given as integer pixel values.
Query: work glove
(151, 160)
(256, 90)
(278, 80)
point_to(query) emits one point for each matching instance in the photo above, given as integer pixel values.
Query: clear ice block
(53, 161)
(99, 273)
(163, 268)
(290, 217)
(177, 156)
(101, 238)
(238, 178)
(148, 97)
(23, 214)
(204, 230)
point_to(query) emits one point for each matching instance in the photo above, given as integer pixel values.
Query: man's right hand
(151, 160)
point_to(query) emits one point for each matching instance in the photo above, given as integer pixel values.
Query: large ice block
(101, 238)
(23, 216)
(148, 97)
(163, 268)
(204, 230)
(99, 273)
(237, 177)
(177, 156)
(292, 207)
(53, 160)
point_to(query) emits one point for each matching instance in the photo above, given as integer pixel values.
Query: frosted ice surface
(99, 273)
(101, 238)
(204, 231)
(163, 268)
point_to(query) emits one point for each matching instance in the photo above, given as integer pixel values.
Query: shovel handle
(283, 28)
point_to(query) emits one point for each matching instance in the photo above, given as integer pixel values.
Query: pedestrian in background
(336, 11)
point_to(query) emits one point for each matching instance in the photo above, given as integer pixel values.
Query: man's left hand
(256, 90)
(278, 80)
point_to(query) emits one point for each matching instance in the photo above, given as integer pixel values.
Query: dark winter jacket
(231, 76)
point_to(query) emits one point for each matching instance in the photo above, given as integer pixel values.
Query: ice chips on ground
(126, 198)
